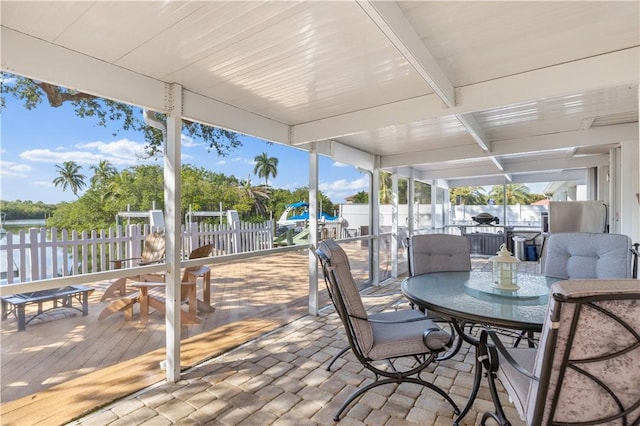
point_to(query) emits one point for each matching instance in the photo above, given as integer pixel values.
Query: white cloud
(9, 169)
(342, 188)
(221, 163)
(9, 81)
(119, 153)
(188, 142)
(43, 183)
(339, 164)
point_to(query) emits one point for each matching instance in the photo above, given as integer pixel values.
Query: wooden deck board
(80, 363)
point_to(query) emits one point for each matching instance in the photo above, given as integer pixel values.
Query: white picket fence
(46, 253)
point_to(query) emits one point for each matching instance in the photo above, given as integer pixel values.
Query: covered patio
(444, 93)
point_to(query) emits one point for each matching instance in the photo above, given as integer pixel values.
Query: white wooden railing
(47, 253)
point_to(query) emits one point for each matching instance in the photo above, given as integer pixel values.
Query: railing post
(33, 254)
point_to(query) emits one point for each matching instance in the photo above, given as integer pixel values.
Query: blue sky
(34, 142)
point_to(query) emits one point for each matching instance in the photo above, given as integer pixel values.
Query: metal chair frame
(382, 376)
(491, 350)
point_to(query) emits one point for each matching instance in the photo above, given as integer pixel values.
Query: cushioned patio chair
(586, 370)
(439, 253)
(585, 255)
(377, 343)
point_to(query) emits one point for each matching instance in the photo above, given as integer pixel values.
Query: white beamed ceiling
(404, 85)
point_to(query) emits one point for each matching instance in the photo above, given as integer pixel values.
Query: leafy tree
(70, 177)
(361, 197)
(385, 188)
(468, 195)
(16, 210)
(254, 196)
(422, 193)
(32, 93)
(102, 174)
(516, 193)
(266, 166)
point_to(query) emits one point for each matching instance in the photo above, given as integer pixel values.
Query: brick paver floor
(281, 379)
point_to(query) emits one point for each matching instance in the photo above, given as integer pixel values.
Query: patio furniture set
(149, 291)
(581, 318)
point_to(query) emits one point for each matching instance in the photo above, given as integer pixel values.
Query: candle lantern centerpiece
(505, 270)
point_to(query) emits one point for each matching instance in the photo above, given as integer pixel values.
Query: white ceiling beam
(567, 140)
(474, 129)
(612, 69)
(575, 175)
(590, 137)
(516, 167)
(432, 156)
(209, 111)
(34, 58)
(388, 16)
(42, 61)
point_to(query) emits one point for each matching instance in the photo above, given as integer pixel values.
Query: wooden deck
(79, 363)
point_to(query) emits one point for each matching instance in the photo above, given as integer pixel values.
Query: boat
(296, 215)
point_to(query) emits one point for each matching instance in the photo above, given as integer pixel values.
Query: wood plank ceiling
(469, 92)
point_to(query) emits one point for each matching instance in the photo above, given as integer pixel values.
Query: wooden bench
(61, 298)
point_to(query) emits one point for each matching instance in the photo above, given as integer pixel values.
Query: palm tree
(119, 186)
(102, 173)
(256, 194)
(385, 188)
(469, 195)
(516, 193)
(266, 166)
(70, 177)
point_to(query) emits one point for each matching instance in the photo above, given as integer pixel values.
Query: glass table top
(470, 296)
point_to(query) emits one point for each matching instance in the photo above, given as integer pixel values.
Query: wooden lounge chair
(150, 292)
(153, 251)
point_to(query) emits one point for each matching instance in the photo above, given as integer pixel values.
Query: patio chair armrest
(436, 339)
(118, 262)
(635, 253)
(151, 262)
(491, 353)
(404, 321)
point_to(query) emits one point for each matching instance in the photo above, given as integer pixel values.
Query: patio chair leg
(336, 356)
(497, 415)
(358, 392)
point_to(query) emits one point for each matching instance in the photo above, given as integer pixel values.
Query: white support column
(394, 224)
(629, 190)
(172, 194)
(374, 246)
(313, 230)
(614, 190)
(434, 203)
(411, 200)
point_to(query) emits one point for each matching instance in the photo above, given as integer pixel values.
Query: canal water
(15, 226)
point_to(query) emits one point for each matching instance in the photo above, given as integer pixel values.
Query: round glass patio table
(470, 297)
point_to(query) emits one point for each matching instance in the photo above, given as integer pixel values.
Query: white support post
(394, 224)
(630, 190)
(172, 195)
(374, 246)
(434, 203)
(411, 200)
(313, 230)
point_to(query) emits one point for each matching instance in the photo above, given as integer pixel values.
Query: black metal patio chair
(378, 343)
(586, 370)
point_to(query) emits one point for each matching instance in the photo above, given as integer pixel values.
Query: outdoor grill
(486, 219)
